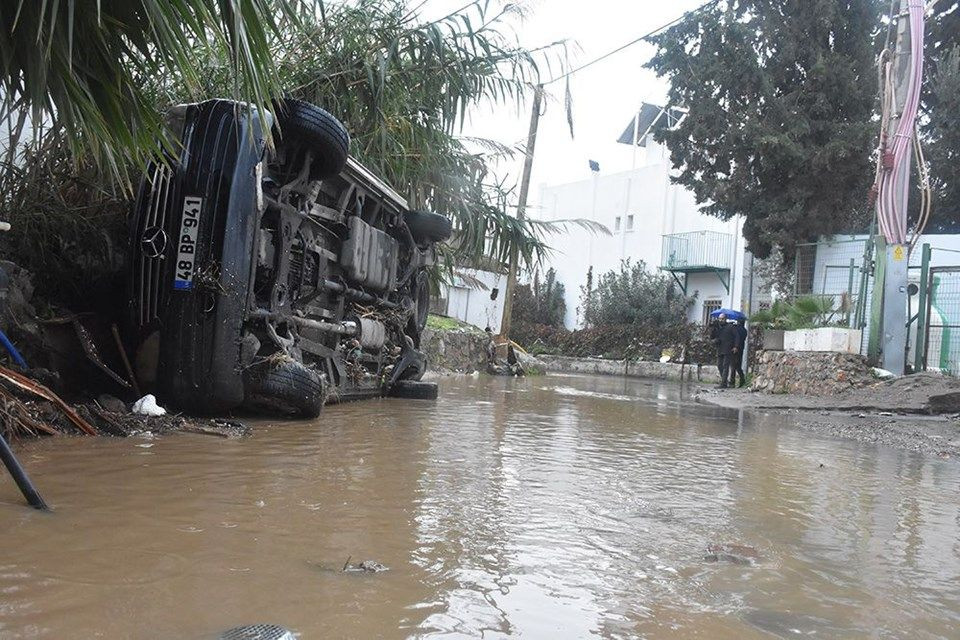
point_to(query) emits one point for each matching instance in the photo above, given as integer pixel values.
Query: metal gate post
(866, 269)
(849, 304)
(920, 344)
(876, 305)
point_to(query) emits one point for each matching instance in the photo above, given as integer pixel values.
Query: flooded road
(556, 507)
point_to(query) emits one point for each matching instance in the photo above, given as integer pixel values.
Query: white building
(474, 296)
(650, 219)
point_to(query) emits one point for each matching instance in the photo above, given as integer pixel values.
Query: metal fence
(839, 271)
(942, 342)
(697, 249)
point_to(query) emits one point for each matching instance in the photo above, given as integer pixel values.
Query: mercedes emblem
(153, 241)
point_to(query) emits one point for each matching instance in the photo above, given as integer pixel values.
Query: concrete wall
(656, 206)
(470, 303)
(454, 350)
(631, 368)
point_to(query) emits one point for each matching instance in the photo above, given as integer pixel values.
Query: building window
(629, 223)
(709, 306)
(616, 223)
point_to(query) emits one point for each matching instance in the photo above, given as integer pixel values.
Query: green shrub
(634, 295)
(540, 302)
(803, 313)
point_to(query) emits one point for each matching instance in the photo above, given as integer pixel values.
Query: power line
(632, 42)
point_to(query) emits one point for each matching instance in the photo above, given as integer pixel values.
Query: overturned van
(275, 277)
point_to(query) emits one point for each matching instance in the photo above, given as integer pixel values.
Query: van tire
(427, 226)
(414, 390)
(422, 300)
(320, 131)
(288, 387)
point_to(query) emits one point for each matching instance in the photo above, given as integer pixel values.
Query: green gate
(942, 341)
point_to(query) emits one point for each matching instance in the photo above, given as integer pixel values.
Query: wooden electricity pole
(506, 320)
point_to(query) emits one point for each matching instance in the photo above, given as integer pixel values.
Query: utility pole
(506, 321)
(896, 256)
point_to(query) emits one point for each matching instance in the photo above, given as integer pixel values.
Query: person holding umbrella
(726, 337)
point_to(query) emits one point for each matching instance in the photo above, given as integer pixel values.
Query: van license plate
(187, 243)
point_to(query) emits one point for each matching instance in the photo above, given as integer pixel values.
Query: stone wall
(815, 373)
(455, 350)
(632, 368)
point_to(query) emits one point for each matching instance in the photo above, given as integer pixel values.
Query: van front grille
(153, 241)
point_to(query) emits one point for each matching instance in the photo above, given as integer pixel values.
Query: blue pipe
(12, 350)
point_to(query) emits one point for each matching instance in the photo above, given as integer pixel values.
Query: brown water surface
(556, 507)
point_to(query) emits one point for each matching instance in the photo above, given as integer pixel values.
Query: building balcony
(697, 252)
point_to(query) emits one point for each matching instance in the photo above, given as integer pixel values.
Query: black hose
(20, 477)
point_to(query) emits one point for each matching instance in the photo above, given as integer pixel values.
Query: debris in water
(732, 553)
(367, 566)
(147, 406)
(111, 403)
(24, 383)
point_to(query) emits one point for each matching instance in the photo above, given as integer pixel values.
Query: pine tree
(940, 126)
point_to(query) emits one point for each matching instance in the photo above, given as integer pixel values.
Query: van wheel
(288, 388)
(422, 301)
(302, 122)
(414, 390)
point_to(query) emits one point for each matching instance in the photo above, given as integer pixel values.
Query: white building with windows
(650, 219)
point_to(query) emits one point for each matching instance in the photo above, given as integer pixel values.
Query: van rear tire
(288, 388)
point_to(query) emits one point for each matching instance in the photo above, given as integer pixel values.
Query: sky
(605, 96)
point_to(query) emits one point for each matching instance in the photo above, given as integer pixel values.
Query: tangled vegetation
(630, 313)
(540, 302)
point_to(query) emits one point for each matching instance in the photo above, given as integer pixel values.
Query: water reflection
(547, 507)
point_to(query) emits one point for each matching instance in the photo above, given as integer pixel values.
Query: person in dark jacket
(715, 326)
(726, 347)
(741, 348)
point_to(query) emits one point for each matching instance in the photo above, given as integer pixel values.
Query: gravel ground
(896, 413)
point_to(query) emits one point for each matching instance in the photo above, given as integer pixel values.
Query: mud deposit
(547, 507)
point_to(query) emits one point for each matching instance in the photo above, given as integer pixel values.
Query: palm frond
(83, 62)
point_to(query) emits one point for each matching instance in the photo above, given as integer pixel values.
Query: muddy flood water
(553, 507)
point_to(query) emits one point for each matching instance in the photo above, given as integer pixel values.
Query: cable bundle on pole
(896, 151)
